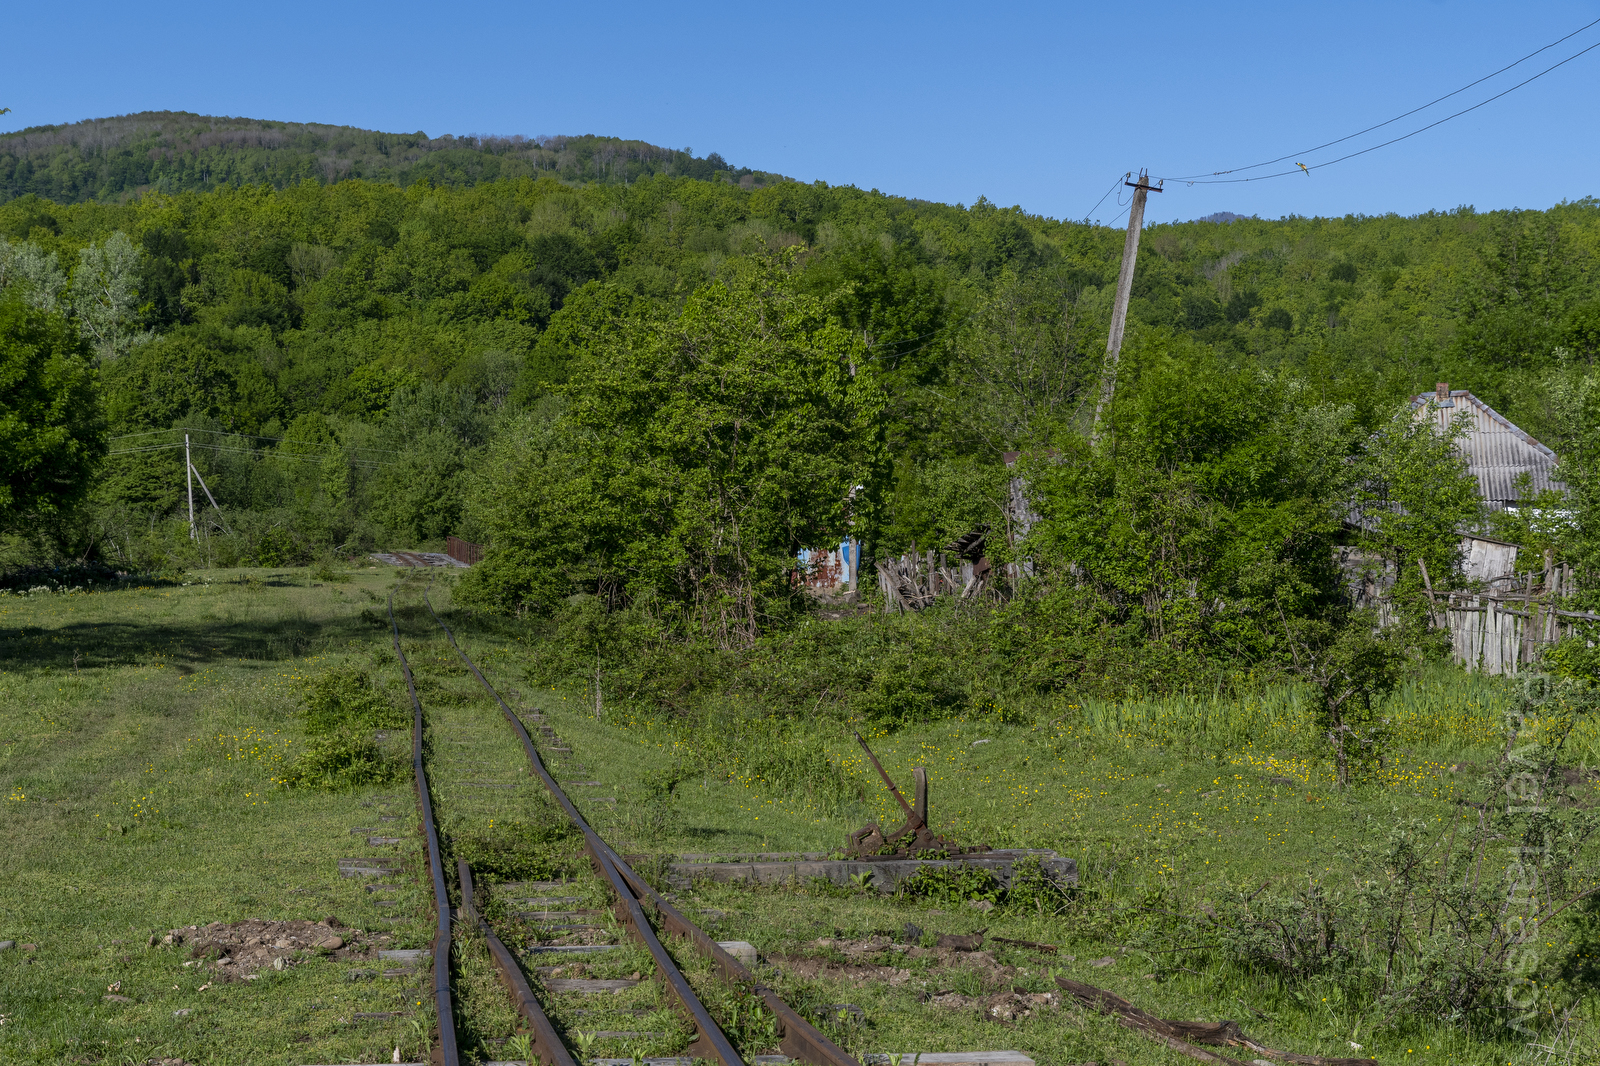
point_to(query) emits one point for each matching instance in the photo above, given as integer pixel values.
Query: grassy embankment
(1168, 805)
(140, 732)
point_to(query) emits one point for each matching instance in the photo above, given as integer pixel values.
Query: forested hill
(176, 151)
(406, 324)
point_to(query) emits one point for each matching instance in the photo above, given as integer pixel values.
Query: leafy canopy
(696, 455)
(51, 432)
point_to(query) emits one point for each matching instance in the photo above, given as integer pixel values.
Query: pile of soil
(238, 949)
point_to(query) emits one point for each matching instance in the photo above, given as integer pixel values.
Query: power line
(226, 433)
(1114, 186)
(1397, 118)
(147, 448)
(1394, 140)
(370, 464)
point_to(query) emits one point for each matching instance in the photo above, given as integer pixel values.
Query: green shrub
(279, 547)
(339, 761)
(910, 688)
(324, 570)
(341, 709)
(344, 699)
(1032, 887)
(952, 884)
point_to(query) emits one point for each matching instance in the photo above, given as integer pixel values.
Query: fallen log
(1183, 1036)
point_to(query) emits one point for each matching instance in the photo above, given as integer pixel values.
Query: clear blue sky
(1031, 104)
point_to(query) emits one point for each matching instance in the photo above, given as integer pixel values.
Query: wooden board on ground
(886, 873)
(580, 984)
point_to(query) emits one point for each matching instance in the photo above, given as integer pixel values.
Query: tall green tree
(710, 448)
(105, 296)
(52, 435)
(1416, 498)
(1210, 517)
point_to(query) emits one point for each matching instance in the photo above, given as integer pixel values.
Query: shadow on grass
(86, 645)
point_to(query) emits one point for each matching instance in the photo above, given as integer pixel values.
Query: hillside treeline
(653, 394)
(109, 159)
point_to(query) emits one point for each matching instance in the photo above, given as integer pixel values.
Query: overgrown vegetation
(648, 397)
(1180, 810)
(341, 353)
(536, 848)
(1484, 920)
(342, 709)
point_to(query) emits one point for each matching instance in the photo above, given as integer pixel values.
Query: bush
(340, 761)
(952, 884)
(344, 699)
(909, 688)
(323, 570)
(341, 709)
(58, 578)
(1031, 887)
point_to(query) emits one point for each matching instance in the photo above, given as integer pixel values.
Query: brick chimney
(1442, 391)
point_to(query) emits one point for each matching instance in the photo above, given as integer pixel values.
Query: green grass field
(141, 732)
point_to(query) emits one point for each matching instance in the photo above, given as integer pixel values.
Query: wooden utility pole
(188, 476)
(1119, 313)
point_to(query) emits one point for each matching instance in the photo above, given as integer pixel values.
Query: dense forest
(174, 151)
(653, 385)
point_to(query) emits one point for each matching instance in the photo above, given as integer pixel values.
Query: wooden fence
(463, 551)
(1508, 625)
(914, 580)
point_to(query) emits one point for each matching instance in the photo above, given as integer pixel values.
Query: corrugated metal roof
(1497, 451)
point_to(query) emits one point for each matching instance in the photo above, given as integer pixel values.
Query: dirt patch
(855, 973)
(235, 950)
(1003, 1007)
(876, 945)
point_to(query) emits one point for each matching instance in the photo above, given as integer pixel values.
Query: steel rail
(451, 1054)
(710, 1042)
(547, 1043)
(799, 1038)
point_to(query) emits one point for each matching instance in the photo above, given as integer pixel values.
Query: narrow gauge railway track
(441, 896)
(632, 897)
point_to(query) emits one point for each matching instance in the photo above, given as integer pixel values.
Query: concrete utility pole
(188, 476)
(1119, 313)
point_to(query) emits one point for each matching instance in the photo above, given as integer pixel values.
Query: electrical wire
(1108, 192)
(1407, 114)
(1393, 140)
(145, 433)
(148, 448)
(368, 464)
(221, 433)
